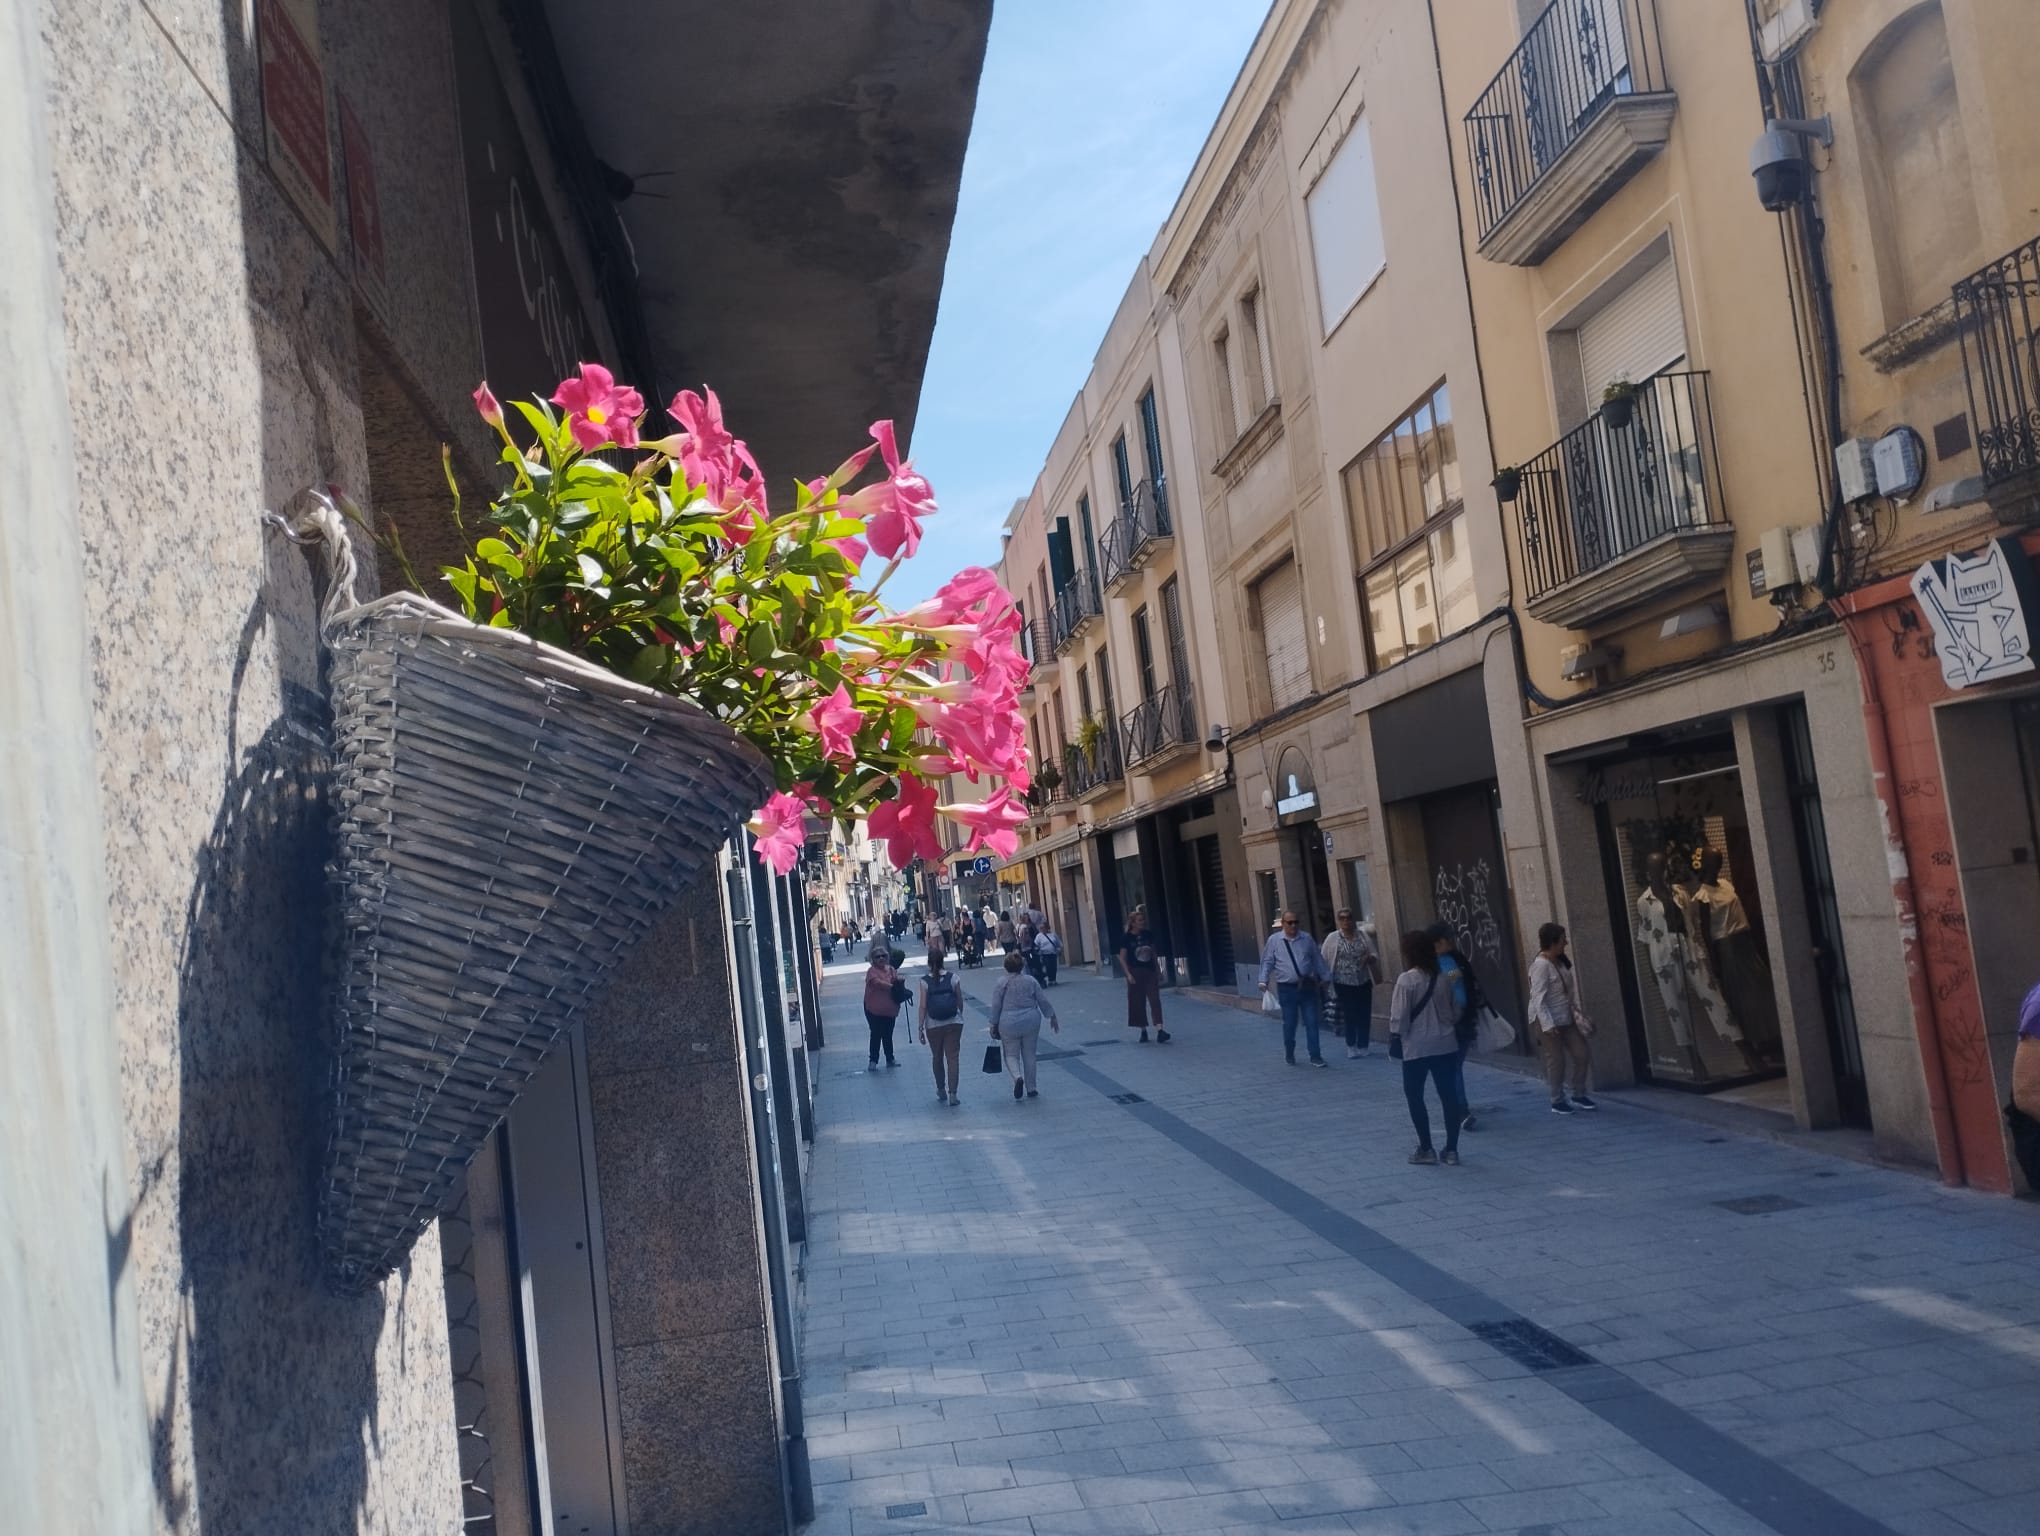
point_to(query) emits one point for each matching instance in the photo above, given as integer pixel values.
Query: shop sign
(364, 210)
(1071, 857)
(1980, 608)
(1599, 788)
(294, 108)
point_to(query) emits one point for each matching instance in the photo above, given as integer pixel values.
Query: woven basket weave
(511, 820)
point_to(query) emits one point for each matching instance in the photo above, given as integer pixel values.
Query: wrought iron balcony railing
(1136, 533)
(1085, 770)
(1575, 60)
(1158, 725)
(1037, 645)
(1997, 314)
(1602, 491)
(1075, 606)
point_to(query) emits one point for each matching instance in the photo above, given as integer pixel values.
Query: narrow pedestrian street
(1190, 1288)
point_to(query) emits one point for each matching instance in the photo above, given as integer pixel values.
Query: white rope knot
(325, 522)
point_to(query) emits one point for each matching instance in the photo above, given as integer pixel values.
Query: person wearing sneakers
(1355, 966)
(1142, 962)
(1423, 1033)
(1294, 967)
(1018, 1006)
(1562, 1027)
(883, 994)
(1467, 997)
(942, 1025)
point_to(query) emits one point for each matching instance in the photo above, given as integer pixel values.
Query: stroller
(972, 954)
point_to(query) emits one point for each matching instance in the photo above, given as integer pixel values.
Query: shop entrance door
(1463, 840)
(1823, 916)
(1314, 895)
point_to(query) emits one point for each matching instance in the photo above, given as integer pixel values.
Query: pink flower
(488, 405)
(599, 410)
(836, 719)
(907, 823)
(992, 822)
(716, 459)
(852, 549)
(893, 509)
(781, 831)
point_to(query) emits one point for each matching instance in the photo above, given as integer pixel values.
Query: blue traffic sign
(981, 865)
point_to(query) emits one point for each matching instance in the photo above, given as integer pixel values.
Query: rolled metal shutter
(1640, 331)
(1280, 594)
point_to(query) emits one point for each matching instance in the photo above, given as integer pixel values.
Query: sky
(1090, 114)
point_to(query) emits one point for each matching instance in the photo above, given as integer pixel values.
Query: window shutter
(1280, 594)
(1638, 332)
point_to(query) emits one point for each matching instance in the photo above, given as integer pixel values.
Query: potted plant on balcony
(1089, 734)
(1508, 482)
(645, 652)
(1050, 778)
(1618, 404)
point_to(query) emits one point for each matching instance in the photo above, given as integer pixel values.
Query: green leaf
(650, 664)
(462, 580)
(592, 572)
(759, 643)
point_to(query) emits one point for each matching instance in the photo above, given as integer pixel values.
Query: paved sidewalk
(1231, 1305)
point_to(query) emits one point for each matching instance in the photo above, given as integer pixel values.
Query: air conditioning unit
(1856, 468)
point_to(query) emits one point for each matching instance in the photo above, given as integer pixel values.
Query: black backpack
(942, 997)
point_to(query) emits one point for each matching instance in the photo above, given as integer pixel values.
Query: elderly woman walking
(1018, 1006)
(1423, 1019)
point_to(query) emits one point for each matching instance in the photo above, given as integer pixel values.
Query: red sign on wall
(294, 107)
(364, 208)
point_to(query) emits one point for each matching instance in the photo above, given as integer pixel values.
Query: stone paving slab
(1233, 1307)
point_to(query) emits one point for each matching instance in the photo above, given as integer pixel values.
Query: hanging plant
(667, 564)
(1508, 483)
(1618, 404)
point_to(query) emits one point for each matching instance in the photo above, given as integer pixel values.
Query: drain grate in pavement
(1761, 1205)
(905, 1511)
(1128, 1098)
(1527, 1344)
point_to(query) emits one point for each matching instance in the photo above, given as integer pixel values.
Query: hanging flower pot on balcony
(1507, 483)
(514, 812)
(1618, 404)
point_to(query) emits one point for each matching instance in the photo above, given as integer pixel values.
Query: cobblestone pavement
(1231, 1305)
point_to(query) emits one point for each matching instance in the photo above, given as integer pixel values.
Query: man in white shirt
(1294, 969)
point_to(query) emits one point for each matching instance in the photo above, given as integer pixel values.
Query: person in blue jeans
(1423, 1033)
(1295, 968)
(1467, 1000)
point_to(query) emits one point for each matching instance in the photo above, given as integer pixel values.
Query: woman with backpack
(883, 994)
(942, 1025)
(1423, 1019)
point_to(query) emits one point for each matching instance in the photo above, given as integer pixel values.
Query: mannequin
(1676, 961)
(1738, 959)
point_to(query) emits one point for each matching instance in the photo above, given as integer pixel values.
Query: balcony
(1160, 728)
(1136, 535)
(1615, 517)
(1077, 606)
(1089, 772)
(1997, 314)
(1580, 105)
(1039, 649)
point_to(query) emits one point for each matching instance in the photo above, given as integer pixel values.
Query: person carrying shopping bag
(1018, 1006)
(1423, 1034)
(942, 1026)
(1561, 1024)
(1294, 968)
(1355, 966)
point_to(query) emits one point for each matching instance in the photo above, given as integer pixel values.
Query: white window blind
(1636, 333)
(1279, 595)
(1345, 226)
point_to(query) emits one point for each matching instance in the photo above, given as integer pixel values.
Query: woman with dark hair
(1560, 1022)
(1422, 1033)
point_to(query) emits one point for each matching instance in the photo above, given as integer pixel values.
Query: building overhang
(1670, 562)
(1623, 135)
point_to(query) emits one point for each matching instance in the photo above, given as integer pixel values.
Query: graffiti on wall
(1462, 894)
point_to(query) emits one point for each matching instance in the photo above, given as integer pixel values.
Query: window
(1172, 624)
(1356, 890)
(1084, 527)
(1056, 719)
(1105, 700)
(1083, 694)
(1271, 896)
(1144, 652)
(1345, 226)
(1404, 497)
(1255, 363)
(1278, 604)
(1122, 474)
(1151, 438)
(1227, 392)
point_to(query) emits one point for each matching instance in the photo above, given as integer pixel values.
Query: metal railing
(1135, 530)
(1084, 771)
(1574, 59)
(1038, 646)
(1151, 727)
(1601, 491)
(1997, 314)
(1077, 601)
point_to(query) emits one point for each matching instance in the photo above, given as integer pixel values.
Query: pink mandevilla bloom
(716, 459)
(490, 407)
(992, 821)
(836, 719)
(599, 410)
(907, 823)
(781, 831)
(893, 509)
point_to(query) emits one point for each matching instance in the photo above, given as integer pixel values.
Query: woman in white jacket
(1562, 1027)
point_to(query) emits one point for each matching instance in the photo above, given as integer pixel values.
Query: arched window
(1915, 162)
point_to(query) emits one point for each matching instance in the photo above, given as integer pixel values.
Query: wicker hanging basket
(511, 820)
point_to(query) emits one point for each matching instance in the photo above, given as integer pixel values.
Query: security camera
(1778, 160)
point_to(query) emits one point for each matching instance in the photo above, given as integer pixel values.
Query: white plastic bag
(1270, 1003)
(1492, 1032)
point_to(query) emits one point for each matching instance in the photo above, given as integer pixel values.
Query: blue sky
(1090, 114)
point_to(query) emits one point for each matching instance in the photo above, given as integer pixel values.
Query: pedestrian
(938, 946)
(942, 1026)
(1294, 966)
(1142, 963)
(883, 994)
(1562, 1027)
(2024, 1110)
(1008, 936)
(1355, 965)
(1467, 998)
(1423, 1034)
(1048, 952)
(1018, 1007)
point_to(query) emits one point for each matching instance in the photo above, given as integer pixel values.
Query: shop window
(1678, 841)
(1269, 889)
(1923, 221)
(1356, 889)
